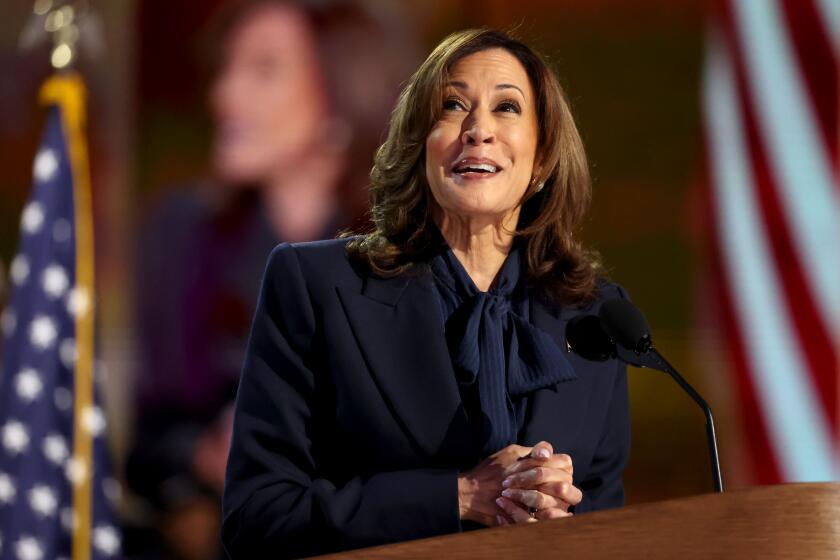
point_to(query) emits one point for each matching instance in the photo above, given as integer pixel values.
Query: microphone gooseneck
(621, 330)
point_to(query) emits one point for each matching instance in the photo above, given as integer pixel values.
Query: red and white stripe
(771, 126)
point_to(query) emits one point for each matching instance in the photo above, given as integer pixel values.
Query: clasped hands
(500, 489)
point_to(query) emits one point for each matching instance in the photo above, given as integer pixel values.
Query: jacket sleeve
(275, 504)
(603, 487)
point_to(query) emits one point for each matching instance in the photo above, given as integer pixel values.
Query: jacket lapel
(398, 328)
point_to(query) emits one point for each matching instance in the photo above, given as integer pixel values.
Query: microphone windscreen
(625, 324)
(587, 338)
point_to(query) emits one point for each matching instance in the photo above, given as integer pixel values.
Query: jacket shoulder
(608, 289)
(317, 262)
(325, 249)
(605, 291)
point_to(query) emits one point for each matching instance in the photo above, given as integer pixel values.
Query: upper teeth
(477, 167)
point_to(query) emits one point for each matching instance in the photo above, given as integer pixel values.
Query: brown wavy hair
(403, 230)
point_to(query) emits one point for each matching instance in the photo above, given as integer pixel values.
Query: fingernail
(499, 519)
(500, 502)
(507, 482)
(543, 453)
(506, 493)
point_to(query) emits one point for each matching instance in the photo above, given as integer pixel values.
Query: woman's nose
(477, 131)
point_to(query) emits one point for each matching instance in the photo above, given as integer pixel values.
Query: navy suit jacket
(349, 429)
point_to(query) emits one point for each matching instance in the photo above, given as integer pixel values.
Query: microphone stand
(651, 358)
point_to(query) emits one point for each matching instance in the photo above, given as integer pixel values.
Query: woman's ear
(538, 168)
(537, 178)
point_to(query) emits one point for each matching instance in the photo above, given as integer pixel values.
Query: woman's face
(268, 101)
(480, 154)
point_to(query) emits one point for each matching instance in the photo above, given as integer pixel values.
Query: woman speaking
(414, 380)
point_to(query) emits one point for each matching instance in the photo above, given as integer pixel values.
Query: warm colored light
(61, 56)
(54, 21)
(41, 7)
(69, 34)
(67, 15)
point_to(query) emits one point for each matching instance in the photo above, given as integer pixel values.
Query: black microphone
(586, 338)
(621, 330)
(626, 325)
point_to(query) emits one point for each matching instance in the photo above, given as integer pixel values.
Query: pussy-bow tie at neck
(499, 347)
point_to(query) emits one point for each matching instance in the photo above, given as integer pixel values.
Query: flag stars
(29, 548)
(68, 519)
(61, 230)
(112, 489)
(7, 489)
(43, 501)
(68, 353)
(106, 540)
(15, 437)
(45, 166)
(42, 332)
(63, 398)
(28, 385)
(32, 218)
(36, 425)
(55, 449)
(54, 281)
(93, 420)
(76, 470)
(19, 270)
(78, 301)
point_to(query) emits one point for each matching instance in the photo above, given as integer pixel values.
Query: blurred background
(202, 114)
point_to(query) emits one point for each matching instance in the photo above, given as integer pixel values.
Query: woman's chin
(478, 213)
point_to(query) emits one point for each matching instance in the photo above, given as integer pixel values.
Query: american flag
(771, 126)
(56, 495)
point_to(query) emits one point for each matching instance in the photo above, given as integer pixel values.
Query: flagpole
(65, 89)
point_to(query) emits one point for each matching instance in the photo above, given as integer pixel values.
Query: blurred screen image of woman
(291, 121)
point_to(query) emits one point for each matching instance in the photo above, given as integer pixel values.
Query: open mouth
(475, 168)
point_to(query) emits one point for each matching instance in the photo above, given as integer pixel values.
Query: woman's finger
(515, 450)
(502, 520)
(557, 461)
(564, 491)
(514, 512)
(533, 477)
(534, 499)
(543, 450)
(552, 513)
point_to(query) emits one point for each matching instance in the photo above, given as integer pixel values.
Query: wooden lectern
(768, 522)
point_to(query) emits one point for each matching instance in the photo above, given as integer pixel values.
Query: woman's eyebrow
(511, 86)
(458, 84)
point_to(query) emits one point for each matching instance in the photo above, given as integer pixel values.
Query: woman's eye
(453, 104)
(509, 107)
